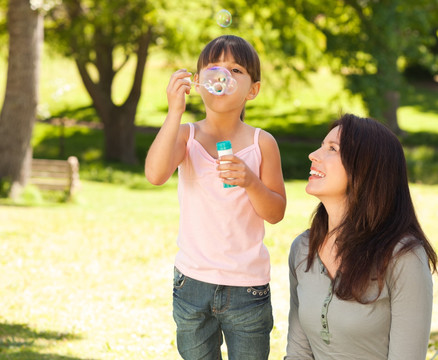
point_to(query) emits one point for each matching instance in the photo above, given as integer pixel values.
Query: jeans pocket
(260, 292)
(179, 278)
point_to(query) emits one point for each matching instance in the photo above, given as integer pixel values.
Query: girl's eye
(236, 71)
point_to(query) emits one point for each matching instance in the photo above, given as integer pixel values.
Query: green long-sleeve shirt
(394, 327)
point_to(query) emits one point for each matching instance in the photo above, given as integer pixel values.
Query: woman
(360, 278)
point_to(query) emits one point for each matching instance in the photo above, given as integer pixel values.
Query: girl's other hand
(178, 86)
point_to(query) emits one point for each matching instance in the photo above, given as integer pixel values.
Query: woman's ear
(253, 92)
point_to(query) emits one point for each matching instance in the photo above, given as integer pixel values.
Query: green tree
(368, 41)
(102, 36)
(25, 27)
(98, 34)
(288, 44)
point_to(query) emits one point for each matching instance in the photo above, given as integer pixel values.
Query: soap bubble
(223, 18)
(218, 81)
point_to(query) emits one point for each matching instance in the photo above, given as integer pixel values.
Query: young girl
(360, 279)
(222, 269)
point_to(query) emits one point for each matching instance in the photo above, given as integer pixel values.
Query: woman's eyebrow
(331, 142)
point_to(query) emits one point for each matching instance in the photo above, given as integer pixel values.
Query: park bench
(61, 175)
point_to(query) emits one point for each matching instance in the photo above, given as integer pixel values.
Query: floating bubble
(223, 18)
(218, 81)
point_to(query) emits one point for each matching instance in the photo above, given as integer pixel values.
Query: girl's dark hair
(379, 214)
(242, 51)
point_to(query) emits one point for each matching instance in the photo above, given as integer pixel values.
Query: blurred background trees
(371, 44)
(101, 37)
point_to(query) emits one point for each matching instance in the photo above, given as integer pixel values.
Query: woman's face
(328, 178)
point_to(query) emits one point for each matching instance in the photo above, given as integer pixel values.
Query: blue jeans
(204, 313)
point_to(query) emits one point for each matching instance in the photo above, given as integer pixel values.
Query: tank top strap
(256, 136)
(256, 143)
(192, 131)
(191, 135)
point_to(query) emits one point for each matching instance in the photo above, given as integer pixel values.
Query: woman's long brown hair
(379, 214)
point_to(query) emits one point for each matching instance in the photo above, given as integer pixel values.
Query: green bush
(422, 162)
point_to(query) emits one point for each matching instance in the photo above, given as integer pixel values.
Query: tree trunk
(392, 99)
(119, 131)
(118, 121)
(17, 118)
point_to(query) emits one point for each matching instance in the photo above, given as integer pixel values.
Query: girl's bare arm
(168, 149)
(267, 193)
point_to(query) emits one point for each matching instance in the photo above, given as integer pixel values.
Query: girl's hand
(235, 171)
(176, 89)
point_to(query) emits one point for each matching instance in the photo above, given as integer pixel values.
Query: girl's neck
(222, 128)
(208, 134)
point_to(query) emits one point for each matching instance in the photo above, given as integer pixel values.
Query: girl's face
(328, 178)
(245, 88)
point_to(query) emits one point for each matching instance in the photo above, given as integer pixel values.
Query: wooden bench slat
(50, 181)
(49, 174)
(64, 168)
(52, 187)
(48, 162)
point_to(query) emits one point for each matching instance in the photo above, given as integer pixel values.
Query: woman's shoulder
(300, 247)
(409, 257)
(302, 239)
(409, 272)
(408, 247)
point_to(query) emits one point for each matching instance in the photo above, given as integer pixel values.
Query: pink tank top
(220, 235)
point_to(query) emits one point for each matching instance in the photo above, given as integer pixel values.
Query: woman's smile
(316, 174)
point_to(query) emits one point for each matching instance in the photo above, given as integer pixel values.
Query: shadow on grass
(20, 342)
(85, 113)
(292, 123)
(422, 95)
(433, 342)
(296, 141)
(298, 131)
(79, 141)
(420, 138)
(31, 355)
(85, 143)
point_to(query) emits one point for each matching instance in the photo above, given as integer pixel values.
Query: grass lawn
(93, 279)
